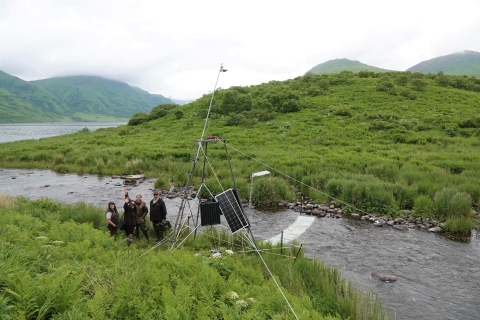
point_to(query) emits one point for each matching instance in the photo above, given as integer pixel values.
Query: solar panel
(232, 210)
(210, 213)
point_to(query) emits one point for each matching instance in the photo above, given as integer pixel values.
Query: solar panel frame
(210, 214)
(232, 210)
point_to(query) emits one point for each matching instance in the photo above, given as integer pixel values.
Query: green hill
(80, 98)
(339, 65)
(20, 97)
(15, 110)
(460, 63)
(95, 95)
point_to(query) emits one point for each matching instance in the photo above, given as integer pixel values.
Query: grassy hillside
(339, 65)
(376, 142)
(460, 63)
(78, 98)
(21, 97)
(15, 110)
(95, 95)
(58, 262)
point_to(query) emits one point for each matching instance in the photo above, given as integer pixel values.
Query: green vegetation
(57, 262)
(460, 63)
(80, 98)
(350, 138)
(339, 65)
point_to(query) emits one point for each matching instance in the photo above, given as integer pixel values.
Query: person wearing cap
(141, 211)
(158, 214)
(130, 219)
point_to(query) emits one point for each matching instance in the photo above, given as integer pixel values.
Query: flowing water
(437, 278)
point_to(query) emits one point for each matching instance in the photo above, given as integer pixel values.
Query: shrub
(387, 86)
(423, 206)
(157, 112)
(457, 225)
(419, 84)
(137, 118)
(409, 94)
(401, 80)
(178, 114)
(341, 111)
(470, 123)
(449, 203)
(234, 119)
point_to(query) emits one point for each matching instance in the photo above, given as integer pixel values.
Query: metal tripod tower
(202, 144)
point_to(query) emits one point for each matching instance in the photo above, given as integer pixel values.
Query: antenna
(180, 216)
(211, 100)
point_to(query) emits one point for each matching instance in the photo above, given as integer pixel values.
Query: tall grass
(54, 267)
(323, 135)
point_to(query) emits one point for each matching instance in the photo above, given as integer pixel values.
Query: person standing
(141, 211)
(112, 219)
(130, 219)
(158, 214)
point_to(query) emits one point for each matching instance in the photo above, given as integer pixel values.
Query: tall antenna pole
(211, 100)
(195, 160)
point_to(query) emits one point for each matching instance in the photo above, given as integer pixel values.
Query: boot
(129, 240)
(145, 233)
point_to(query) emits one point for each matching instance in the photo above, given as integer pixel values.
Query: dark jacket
(129, 216)
(158, 211)
(115, 216)
(141, 211)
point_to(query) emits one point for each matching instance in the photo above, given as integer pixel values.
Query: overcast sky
(175, 48)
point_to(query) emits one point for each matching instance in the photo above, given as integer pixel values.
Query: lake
(26, 131)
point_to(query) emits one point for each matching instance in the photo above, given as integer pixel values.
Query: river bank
(437, 277)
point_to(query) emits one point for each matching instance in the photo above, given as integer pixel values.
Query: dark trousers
(143, 227)
(113, 230)
(157, 226)
(129, 233)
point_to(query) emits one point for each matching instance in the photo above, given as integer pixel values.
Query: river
(437, 277)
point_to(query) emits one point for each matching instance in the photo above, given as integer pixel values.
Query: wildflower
(233, 295)
(217, 255)
(242, 303)
(41, 238)
(57, 242)
(229, 251)
(251, 299)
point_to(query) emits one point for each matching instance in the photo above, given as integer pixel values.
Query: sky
(175, 48)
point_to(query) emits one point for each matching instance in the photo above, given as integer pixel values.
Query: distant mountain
(77, 98)
(95, 95)
(460, 63)
(20, 97)
(339, 65)
(181, 102)
(15, 110)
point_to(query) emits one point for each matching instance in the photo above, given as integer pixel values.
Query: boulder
(401, 227)
(435, 229)
(385, 277)
(379, 223)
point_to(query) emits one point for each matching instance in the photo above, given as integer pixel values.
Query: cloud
(175, 48)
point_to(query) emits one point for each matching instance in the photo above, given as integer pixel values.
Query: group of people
(134, 217)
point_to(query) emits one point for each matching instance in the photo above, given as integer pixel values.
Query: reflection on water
(437, 278)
